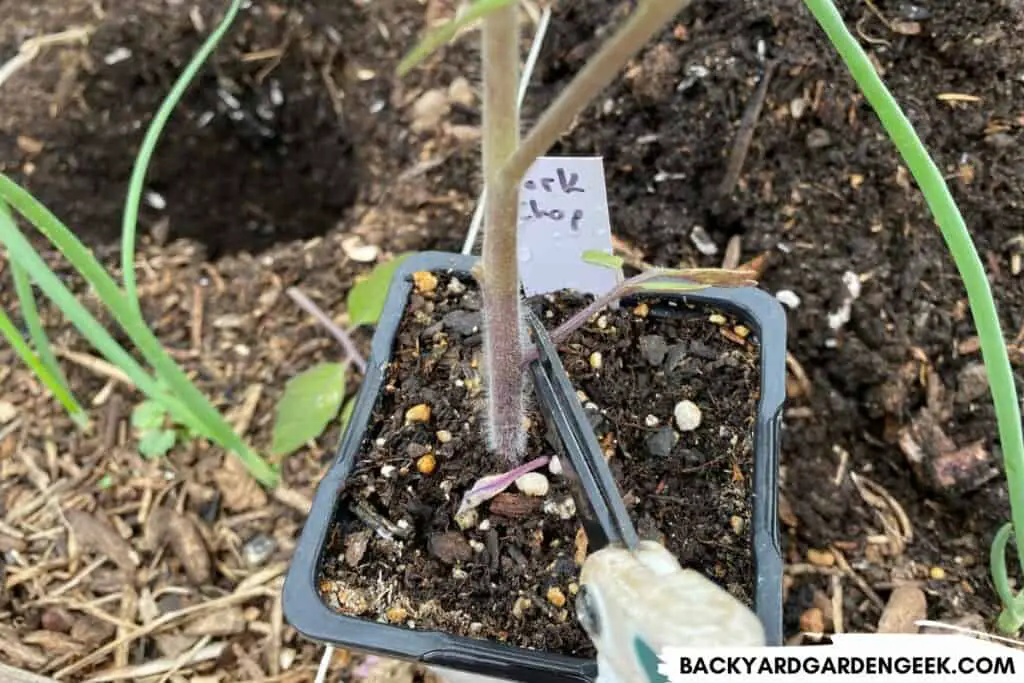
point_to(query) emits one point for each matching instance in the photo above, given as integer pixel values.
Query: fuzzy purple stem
(306, 304)
(499, 279)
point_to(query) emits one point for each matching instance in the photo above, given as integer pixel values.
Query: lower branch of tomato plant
(656, 280)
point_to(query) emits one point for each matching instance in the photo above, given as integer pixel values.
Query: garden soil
(298, 145)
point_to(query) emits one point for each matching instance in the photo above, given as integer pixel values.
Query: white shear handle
(634, 603)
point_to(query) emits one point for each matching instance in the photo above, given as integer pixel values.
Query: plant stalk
(649, 17)
(503, 328)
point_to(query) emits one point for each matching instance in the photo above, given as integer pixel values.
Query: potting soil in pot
(509, 574)
(672, 399)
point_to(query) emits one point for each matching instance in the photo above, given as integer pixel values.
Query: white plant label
(563, 212)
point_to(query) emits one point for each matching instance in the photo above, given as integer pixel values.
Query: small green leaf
(366, 299)
(310, 401)
(602, 258)
(148, 416)
(156, 443)
(105, 482)
(446, 32)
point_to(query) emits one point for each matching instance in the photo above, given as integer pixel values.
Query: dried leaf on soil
(220, 623)
(185, 541)
(906, 606)
(98, 536)
(239, 491)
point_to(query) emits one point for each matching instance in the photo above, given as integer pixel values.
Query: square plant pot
(706, 488)
(372, 591)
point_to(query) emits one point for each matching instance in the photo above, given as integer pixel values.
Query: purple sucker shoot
(488, 487)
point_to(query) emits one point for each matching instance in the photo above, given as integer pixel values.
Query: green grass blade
(55, 385)
(201, 415)
(130, 216)
(21, 251)
(958, 239)
(441, 35)
(36, 332)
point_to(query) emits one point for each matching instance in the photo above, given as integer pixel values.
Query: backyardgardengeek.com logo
(860, 657)
(845, 665)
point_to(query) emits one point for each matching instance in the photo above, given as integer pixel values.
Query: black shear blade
(597, 498)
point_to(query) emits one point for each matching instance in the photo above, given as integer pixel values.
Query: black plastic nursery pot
(304, 603)
(764, 316)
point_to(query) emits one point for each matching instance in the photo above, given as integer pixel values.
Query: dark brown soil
(689, 490)
(510, 575)
(821, 193)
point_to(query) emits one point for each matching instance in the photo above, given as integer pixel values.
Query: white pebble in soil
(533, 484)
(467, 519)
(565, 509)
(555, 466)
(788, 298)
(688, 416)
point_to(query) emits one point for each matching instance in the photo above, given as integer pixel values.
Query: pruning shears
(633, 602)
(635, 598)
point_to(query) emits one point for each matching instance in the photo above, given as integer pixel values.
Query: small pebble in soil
(396, 614)
(937, 573)
(595, 360)
(424, 281)
(821, 558)
(602, 322)
(387, 470)
(660, 442)
(818, 138)
(556, 597)
(520, 606)
(653, 348)
(258, 550)
(477, 546)
(971, 383)
(812, 621)
(459, 574)
(565, 510)
(555, 466)
(533, 484)
(582, 396)
(355, 546)
(716, 319)
(641, 310)
(449, 547)
(688, 415)
(788, 298)
(57, 619)
(464, 323)
(652, 421)
(484, 525)
(418, 413)
(736, 522)
(702, 240)
(456, 287)
(467, 519)
(574, 588)
(741, 331)
(426, 464)
(444, 436)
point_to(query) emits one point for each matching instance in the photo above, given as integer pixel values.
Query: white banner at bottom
(852, 658)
